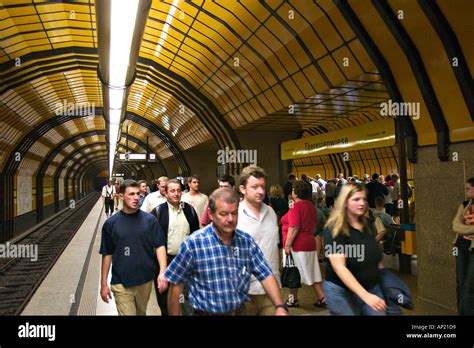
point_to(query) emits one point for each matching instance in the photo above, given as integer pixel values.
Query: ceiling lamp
(120, 27)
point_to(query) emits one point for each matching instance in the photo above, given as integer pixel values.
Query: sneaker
(292, 303)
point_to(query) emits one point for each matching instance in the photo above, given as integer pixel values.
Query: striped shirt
(218, 275)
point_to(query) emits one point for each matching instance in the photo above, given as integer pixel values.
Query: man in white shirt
(197, 199)
(154, 199)
(316, 191)
(322, 183)
(260, 221)
(340, 176)
(108, 194)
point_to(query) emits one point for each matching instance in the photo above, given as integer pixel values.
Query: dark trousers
(329, 201)
(109, 205)
(465, 277)
(162, 299)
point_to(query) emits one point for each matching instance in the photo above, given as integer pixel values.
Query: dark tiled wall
(26, 221)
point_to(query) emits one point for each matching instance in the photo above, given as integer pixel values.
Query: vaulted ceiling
(208, 68)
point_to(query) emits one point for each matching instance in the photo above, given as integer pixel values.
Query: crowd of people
(223, 254)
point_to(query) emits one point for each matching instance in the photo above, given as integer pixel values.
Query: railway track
(20, 277)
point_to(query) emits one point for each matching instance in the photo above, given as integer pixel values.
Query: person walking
(259, 221)
(154, 199)
(194, 197)
(217, 262)
(143, 192)
(108, 195)
(354, 257)
(177, 220)
(131, 241)
(298, 226)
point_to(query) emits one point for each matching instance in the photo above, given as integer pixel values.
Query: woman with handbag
(352, 284)
(298, 240)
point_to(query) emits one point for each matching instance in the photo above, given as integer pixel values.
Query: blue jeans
(342, 301)
(465, 277)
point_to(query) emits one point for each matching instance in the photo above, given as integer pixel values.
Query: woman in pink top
(298, 239)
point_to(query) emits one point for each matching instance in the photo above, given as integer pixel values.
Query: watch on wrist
(283, 305)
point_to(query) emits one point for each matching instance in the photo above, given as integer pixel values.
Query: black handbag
(290, 276)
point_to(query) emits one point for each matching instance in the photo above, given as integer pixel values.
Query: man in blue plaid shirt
(217, 262)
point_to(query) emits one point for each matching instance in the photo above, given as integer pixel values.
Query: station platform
(73, 285)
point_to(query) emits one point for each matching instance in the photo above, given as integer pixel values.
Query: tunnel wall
(440, 191)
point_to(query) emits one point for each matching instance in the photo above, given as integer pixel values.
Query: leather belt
(238, 311)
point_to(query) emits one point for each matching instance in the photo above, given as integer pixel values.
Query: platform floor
(73, 285)
(91, 303)
(58, 293)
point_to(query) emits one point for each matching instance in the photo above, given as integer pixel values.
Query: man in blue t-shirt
(130, 240)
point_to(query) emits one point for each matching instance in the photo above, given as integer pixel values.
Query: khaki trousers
(132, 300)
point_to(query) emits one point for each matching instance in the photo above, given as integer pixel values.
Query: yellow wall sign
(367, 136)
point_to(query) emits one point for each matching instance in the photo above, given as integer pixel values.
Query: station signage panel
(132, 156)
(367, 136)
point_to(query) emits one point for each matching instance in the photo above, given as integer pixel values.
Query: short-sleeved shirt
(362, 252)
(218, 275)
(151, 201)
(301, 214)
(197, 201)
(205, 218)
(132, 240)
(322, 184)
(108, 191)
(264, 231)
